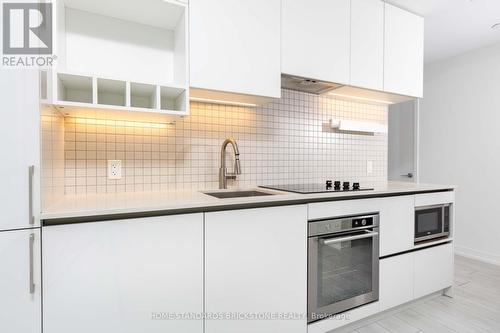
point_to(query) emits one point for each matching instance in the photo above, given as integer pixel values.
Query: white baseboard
(489, 258)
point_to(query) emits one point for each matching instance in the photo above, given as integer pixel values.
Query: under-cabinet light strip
(124, 123)
(361, 98)
(218, 101)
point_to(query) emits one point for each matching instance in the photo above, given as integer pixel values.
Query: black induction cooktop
(318, 188)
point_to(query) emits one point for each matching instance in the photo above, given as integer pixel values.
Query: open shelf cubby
(74, 88)
(172, 99)
(111, 92)
(143, 95)
(97, 93)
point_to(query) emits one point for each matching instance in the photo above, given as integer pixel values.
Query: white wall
(460, 144)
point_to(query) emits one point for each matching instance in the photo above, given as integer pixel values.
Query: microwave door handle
(349, 238)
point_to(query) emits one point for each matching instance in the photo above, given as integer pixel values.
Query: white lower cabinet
(396, 280)
(20, 275)
(256, 264)
(416, 274)
(433, 269)
(396, 224)
(124, 276)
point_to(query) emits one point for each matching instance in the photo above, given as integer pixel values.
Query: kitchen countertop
(111, 206)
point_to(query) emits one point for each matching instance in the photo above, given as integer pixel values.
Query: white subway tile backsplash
(286, 141)
(53, 156)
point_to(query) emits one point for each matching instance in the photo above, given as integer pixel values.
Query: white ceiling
(453, 27)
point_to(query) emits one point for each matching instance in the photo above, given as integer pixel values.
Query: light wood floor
(474, 308)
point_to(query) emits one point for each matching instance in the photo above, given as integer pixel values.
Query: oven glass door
(343, 272)
(428, 222)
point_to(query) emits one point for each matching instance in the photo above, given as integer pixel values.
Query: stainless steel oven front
(343, 264)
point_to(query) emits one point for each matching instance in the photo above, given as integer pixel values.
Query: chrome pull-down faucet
(223, 174)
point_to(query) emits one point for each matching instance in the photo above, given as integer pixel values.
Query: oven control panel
(342, 224)
(362, 222)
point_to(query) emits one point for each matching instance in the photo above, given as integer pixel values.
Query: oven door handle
(369, 234)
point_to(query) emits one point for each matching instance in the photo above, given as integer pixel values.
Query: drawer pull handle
(30, 193)
(31, 270)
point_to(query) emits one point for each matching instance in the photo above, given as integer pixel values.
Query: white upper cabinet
(140, 41)
(235, 47)
(367, 44)
(142, 59)
(315, 39)
(19, 149)
(359, 43)
(404, 52)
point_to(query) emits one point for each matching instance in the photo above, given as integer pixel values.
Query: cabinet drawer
(433, 269)
(396, 280)
(326, 210)
(437, 198)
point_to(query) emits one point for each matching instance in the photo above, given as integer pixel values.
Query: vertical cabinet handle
(31, 270)
(30, 193)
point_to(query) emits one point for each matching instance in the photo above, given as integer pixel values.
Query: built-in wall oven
(432, 222)
(343, 264)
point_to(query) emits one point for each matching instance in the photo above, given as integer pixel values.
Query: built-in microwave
(432, 222)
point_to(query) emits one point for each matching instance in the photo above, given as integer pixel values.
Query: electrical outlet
(114, 169)
(369, 167)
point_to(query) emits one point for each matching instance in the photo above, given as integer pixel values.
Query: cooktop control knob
(346, 185)
(337, 184)
(355, 186)
(363, 222)
(328, 184)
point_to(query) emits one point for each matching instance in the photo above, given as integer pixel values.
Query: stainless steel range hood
(338, 90)
(311, 86)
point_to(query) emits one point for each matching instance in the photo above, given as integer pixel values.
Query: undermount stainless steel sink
(237, 194)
